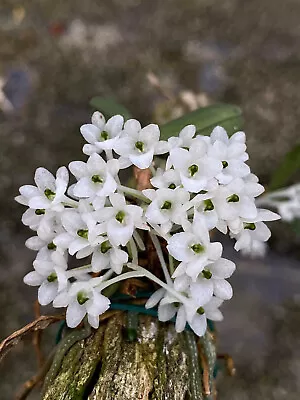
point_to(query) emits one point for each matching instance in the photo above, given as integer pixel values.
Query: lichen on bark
(159, 364)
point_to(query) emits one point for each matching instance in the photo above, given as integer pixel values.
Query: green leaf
(289, 166)
(295, 225)
(205, 119)
(109, 107)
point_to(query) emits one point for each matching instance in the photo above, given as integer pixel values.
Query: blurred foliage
(205, 119)
(286, 170)
(109, 107)
(295, 225)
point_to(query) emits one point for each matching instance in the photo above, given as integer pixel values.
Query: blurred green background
(160, 59)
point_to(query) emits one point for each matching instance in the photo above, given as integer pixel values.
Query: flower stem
(134, 193)
(153, 170)
(149, 275)
(76, 271)
(134, 251)
(139, 240)
(160, 255)
(127, 275)
(171, 265)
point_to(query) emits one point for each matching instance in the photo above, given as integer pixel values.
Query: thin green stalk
(171, 265)
(160, 255)
(127, 275)
(155, 279)
(139, 241)
(134, 193)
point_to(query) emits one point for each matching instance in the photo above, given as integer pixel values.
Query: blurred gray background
(56, 55)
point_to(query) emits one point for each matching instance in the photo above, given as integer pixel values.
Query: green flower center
(120, 216)
(140, 146)
(166, 206)
(197, 248)
(105, 246)
(208, 205)
(250, 225)
(193, 169)
(201, 310)
(172, 186)
(206, 274)
(234, 198)
(49, 194)
(52, 277)
(104, 135)
(83, 233)
(51, 246)
(225, 164)
(40, 211)
(97, 179)
(82, 298)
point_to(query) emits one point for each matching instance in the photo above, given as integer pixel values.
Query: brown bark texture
(122, 361)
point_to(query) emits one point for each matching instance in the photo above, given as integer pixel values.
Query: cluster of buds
(205, 184)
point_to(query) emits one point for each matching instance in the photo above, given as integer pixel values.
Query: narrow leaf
(289, 166)
(205, 119)
(109, 107)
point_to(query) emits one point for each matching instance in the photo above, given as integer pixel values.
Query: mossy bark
(159, 364)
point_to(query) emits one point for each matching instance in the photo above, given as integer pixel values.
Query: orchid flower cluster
(205, 184)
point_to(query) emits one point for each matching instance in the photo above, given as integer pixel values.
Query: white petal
(98, 305)
(150, 134)
(44, 179)
(84, 188)
(238, 137)
(78, 169)
(214, 251)
(132, 126)
(247, 208)
(161, 147)
(267, 215)
(180, 320)
(222, 268)
(166, 312)
(34, 243)
(119, 234)
(142, 161)
(117, 200)
(202, 291)
(47, 292)
(188, 132)
(193, 185)
(63, 240)
(61, 300)
(181, 283)
(39, 202)
(33, 279)
(198, 324)
(219, 133)
(222, 289)
(75, 314)
(98, 119)
(90, 133)
(155, 298)
(77, 244)
(94, 321)
(114, 125)
(214, 315)
(29, 191)
(195, 267)
(178, 246)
